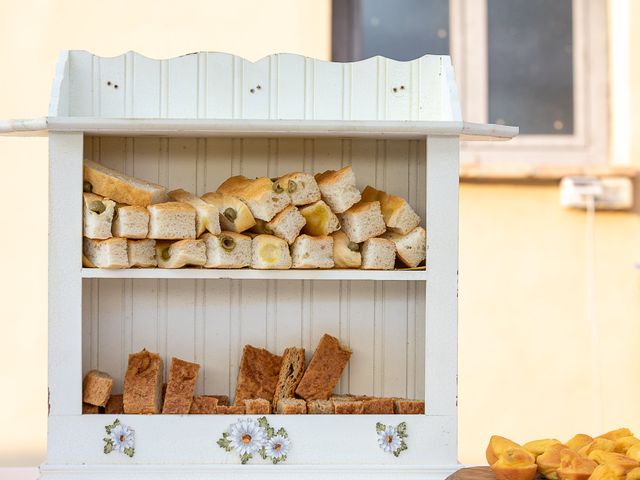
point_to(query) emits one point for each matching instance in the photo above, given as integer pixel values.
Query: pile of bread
(267, 383)
(296, 221)
(614, 455)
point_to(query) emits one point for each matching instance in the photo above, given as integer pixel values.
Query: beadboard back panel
(209, 321)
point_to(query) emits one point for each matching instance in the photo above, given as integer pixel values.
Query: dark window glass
(530, 65)
(403, 29)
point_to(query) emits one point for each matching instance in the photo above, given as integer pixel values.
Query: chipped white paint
(191, 122)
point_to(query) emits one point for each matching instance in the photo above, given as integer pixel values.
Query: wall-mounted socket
(609, 193)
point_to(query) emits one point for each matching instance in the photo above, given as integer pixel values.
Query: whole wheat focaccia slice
(97, 216)
(258, 374)
(120, 187)
(326, 366)
(130, 221)
(398, 214)
(96, 388)
(207, 215)
(143, 383)
(235, 216)
(180, 386)
(290, 374)
(285, 225)
(301, 187)
(227, 250)
(338, 188)
(263, 197)
(109, 253)
(181, 253)
(410, 248)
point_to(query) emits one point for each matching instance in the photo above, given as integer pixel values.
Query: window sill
(527, 173)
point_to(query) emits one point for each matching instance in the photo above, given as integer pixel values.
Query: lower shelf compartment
(337, 440)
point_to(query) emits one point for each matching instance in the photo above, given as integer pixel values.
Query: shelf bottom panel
(246, 472)
(336, 440)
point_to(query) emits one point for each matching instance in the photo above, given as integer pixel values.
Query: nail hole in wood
(115, 86)
(401, 87)
(395, 89)
(258, 87)
(252, 90)
(108, 84)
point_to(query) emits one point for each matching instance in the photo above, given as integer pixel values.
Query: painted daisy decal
(120, 438)
(392, 439)
(248, 437)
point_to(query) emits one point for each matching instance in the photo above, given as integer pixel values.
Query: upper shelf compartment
(281, 95)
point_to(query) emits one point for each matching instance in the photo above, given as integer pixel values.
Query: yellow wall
(524, 344)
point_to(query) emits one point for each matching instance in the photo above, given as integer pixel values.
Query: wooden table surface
(473, 473)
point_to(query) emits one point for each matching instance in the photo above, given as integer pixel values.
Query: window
(538, 64)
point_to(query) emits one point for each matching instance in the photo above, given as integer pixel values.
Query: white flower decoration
(122, 438)
(277, 447)
(388, 439)
(246, 437)
(392, 439)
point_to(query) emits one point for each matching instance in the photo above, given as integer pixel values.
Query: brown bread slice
(203, 404)
(258, 375)
(379, 406)
(257, 406)
(143, 383)
(290, 374)
(320, 407)
(405, 406)
(350, 408)
(96, 388)
(223, 400)
(325, 368)
(181, 386)
(292, 406)
(230, 410)
(115, 405)
(88, 409)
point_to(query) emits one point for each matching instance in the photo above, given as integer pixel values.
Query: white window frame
(589, 144)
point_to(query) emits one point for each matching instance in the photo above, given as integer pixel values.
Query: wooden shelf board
(381, 129)
(250, 274)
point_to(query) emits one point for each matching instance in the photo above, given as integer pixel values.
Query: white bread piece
(312, 252)
(181, 253)
(207, 215)
(346, 254)
(412, 247)
(97, 216)
(234, 216)
(363, 221)
(338, 189)
(109, 253)
(378, 254)
(172, 221)
(320, 219)
(398, 214)
(227, 250)
(263, 197)
(286, 224)
(130, 221)
(142, 253)
(270, 253)
(301, 187)
(120, 187)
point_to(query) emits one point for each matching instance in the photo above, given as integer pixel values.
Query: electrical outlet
(609, 193)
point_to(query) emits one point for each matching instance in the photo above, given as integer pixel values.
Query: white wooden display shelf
(250, 274)
(190, 122)
(379, 129)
